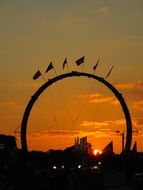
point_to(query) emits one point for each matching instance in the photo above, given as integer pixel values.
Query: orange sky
(34, 33)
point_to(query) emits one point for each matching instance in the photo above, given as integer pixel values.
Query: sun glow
(97, 152)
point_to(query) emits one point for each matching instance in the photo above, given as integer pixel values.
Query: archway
(76, 74)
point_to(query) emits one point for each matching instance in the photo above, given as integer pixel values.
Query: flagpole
(93, 70)
(67, 68)
(55, 71)
(38, 74)
(82, 66)
(65, 64)
(109, 72)
(95, 66)
(43, 77)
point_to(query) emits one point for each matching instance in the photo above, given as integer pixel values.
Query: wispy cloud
(94, 124)
(63, 138)
(99, 98)
(111, 100)
(110, 127)
(21, 84)
(138, 105)
(138, 122)
(9, 103)
(130, 86)
(135, 91)
(103, 9)
(104, 124)
(51, 133)
(66, 134)
(100, 127)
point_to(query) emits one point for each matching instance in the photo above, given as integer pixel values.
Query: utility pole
(123, 139)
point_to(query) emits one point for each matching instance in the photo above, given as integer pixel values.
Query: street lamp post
(123, 139)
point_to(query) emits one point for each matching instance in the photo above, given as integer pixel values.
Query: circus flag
(80, 61)
(109, 72)
(108, 149)
(94, 68)
(37, 75)
(64, 63)
(50, 66)
(134, 150)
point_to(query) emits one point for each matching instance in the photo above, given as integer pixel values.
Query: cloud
(111, 100)
(95, 95)
(63, 138)
(9, 103)
(105, 128)
(21, 84)
(135, 91)
(66, 134)
(138, 105)
(99, 98)
(50, 133)
(138, 122)
(52, 139)
(103, 9)
(108, 128)
(130, 86)
(114, 124)
(104, 124)
(95, 124)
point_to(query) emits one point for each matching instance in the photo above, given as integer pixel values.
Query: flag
(134, 150)
(64, 63)
(50, 66)
(80, 61)
(37, 75)
(108, 149)
(96, 65)
(109, 72)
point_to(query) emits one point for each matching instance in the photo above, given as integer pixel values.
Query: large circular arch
(77, 74)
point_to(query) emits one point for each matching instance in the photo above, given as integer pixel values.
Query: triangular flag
(37, 75)
(80, 61)
(109, 72)
(134, 150)
(64, 63)
(50, 66)
(96, 65)
(108, 149)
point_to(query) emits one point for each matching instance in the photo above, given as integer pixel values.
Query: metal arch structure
(36, 95)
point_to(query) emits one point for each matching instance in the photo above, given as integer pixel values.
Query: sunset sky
(35, 32)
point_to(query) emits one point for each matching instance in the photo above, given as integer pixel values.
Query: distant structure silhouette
(8, 150)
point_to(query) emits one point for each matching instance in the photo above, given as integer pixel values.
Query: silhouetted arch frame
(36, 95)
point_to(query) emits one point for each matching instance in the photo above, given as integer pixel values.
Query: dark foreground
(79, 179)
(71, 170)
